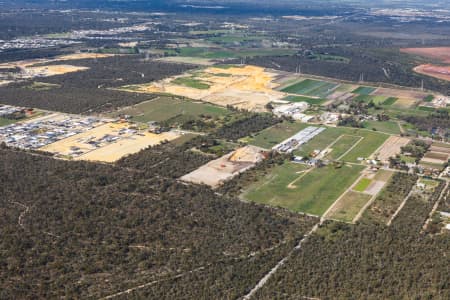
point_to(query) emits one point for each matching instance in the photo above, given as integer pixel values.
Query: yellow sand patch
(187, 60)
(247, 87)
(130, 145)
(218, 171)
(54, 70)
(405, 102)
(76, 56)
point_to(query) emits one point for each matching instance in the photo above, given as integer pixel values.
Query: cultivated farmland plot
(310, 87)
(368, 142)
(311, 191)
(354, 201)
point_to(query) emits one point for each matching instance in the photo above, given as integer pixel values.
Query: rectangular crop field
(369, 98)
(362, 185)
(4, 121)
(364, 90)
(342, 145)
(310, 87)
(164, 108)
(390, 101)
(291, 187)
(385, 126)
(371, 141)
(192, 83)
(349, 206)
(276, 134)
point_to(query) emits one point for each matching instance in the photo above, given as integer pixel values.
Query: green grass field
(429, 183)
(235, 38)
(364, 90)
(385, 126)
(312, 101)
(221, 54)
(362, 185)
(312, 193)
(349, 206)
(276, 134)
(390, 101)
(191, 82)
(333, 58)
(4, 121)
(369, 98)
(311, 87)
(383, 175)
(426, 108)
(342, 146)
(429, 98)
(371, 141)
(164, 108)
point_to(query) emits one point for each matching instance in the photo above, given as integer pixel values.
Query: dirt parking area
(226, 167)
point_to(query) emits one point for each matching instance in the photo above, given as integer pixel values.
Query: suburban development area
(198, 151)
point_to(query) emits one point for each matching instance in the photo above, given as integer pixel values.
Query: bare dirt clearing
(439, 53)
(244, 87)
(391, 147)
(399, 93)
(106, 143)
(440, 72)
(226, 167)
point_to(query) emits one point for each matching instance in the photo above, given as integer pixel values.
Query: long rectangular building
(300, 138)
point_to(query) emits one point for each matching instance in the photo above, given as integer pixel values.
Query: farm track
(443, 194)
(22, 214)
(400, 207)
(266, 277)
(331, 208)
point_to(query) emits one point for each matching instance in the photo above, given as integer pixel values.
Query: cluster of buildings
(294, 111)
(14, 112)
(99, 34)
(33, 43)
(47, 130)
(298, 139)
(330, 117)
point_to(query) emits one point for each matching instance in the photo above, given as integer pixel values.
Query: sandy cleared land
(375, 187)
(5, 82)
(187, 60)
(226, 167)
(126, 146)
(74, 56)
(440, 72)
(435, 157)
(53, 70)
(434, 148)
(405, 103)
(391, 147)
(94, 144)
(411, 95)
(440, 53)
(245, 87)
